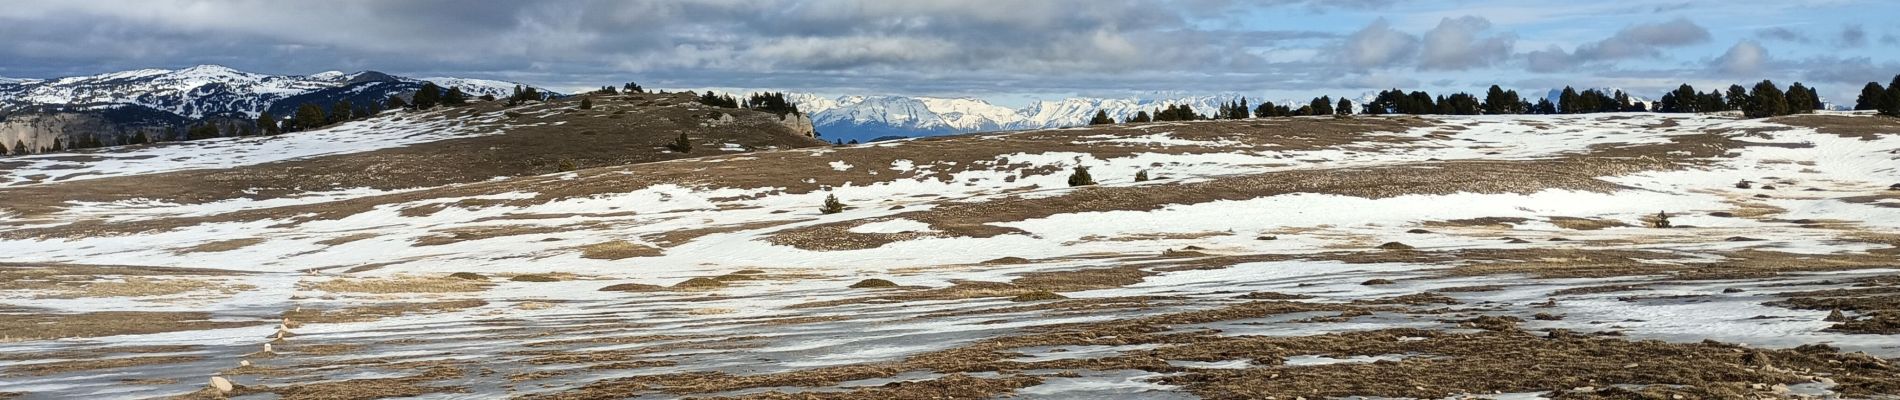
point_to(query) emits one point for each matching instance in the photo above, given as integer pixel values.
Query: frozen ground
(1008, 281)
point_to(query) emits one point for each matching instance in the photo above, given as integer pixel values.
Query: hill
(1615, 255)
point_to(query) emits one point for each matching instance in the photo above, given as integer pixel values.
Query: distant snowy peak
(866, 117)
(478, 87)
(204, 90)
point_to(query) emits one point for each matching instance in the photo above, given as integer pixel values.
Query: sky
(1008, 52)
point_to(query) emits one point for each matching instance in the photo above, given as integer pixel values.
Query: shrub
(681, 144)
(1040, 295)
(1661, 220)
(587, 102)
(1081, 177)
(568, 165)
(534, 278)
(469, 276)
(1141, 176)
(873, 284)
(832, 205)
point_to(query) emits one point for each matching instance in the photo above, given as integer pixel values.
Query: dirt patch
(1585, 224)
(379, 311)
(397, 284)
(40, 325)
(619, 249)
(486, 232)
(220, 246)
(1859, 127)
(61, 367)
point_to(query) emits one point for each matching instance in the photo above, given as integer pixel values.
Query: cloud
(1456, 45)
(1634, 41)
(1782, 34)
(1377, 45)
(1853, 36)
(1745, 58)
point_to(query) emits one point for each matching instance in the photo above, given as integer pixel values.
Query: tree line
(1764, 99)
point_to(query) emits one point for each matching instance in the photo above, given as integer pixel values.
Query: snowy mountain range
(869, 117)
(217, 91)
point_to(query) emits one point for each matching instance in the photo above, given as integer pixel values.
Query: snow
(1305, 224)
(385, 131)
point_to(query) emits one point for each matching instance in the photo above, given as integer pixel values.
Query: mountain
(151, 104)
(212, 90)
(865, 118)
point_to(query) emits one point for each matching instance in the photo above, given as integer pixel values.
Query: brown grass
(47, 325)
(1585, 224)
(398, 284)
(379, 311)
(61, 367)
(619, 249)
(221, 246)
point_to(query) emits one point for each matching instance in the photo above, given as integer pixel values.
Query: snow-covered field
(780, 315)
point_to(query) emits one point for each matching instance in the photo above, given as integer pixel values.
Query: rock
(1835, 316)
(873, 283)
(221, 385)
(1756, 359)
(1395, 246)
(1518, 241)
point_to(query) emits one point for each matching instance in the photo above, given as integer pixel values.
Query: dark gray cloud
(1782, 34)
(1459, 44)
(808, 44)
(1852, 36)
(1635, 41)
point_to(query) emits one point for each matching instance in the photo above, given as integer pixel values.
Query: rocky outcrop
(800, 123)
(42, 131)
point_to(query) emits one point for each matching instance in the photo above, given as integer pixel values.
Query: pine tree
(1323, 105)
(1140, 117)
(309, 116)
(682, 144)
(1081, 177)
(832, 205)
(20, 149)
(427, 97)
(340, 112)
(1736, 98)
(454, 97)
(1890, 106)
(587, 103)
(1766, 101)
(395, 103)
(267, 123)
(1870, 97)
(1141, 176)
(1568, 101)
(1799, 100)
(3, 149)
(1344, 109)
(1101, 118)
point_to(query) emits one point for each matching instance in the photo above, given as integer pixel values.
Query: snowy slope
(201, 91)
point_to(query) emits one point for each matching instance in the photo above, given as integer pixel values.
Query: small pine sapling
(1141, 176)
(1081, 177)
(681, 144)
(832, 205)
